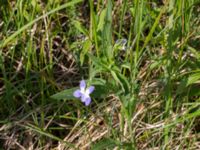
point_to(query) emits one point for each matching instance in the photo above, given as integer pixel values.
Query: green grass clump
(142, 56)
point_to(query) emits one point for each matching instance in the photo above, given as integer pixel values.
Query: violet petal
(77, 93)
(82, 84)
(90, 89)
(87, 101)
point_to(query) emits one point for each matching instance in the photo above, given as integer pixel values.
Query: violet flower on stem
(84, 93)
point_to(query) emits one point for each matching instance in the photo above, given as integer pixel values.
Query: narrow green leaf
(193, 78)
(79, 26)
(121, 80)
(101, 20)
(149, 36)
(86, 47)
(66, 94)
(124, 82)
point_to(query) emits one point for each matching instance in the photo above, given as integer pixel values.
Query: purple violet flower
(84, 93)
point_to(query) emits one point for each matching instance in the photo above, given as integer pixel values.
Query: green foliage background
(146, 95)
